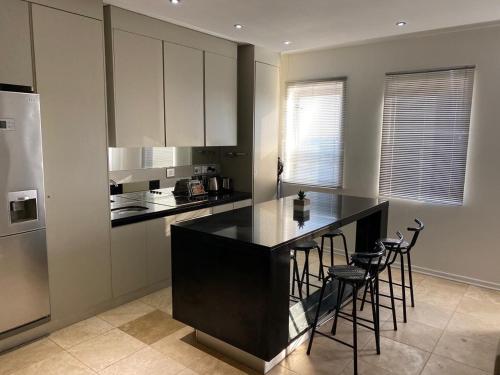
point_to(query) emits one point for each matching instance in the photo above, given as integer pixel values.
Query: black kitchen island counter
(155, 211)
(231, 271)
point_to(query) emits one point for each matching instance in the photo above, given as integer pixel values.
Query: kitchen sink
(127, 209)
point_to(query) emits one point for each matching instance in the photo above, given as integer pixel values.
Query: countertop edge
(237, 197)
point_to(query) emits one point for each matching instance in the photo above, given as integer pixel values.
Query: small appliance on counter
(227, 185)
(196, 188)
(214, 185)
(181, 188)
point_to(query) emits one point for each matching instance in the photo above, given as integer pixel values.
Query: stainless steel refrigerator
(24, 289)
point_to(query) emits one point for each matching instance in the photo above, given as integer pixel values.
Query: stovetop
(163, 197)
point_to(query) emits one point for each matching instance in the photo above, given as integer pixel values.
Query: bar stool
(296, 276)
(405, 249)
(387, 261)
(331, 235)
(357, 278)
(305, 247)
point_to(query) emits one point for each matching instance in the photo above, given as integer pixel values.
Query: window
(312, 139)
(425, 135)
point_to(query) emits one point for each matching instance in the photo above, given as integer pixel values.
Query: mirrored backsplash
(131, 158)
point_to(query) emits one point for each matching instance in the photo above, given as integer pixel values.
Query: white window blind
(425, 135)
(312, 139)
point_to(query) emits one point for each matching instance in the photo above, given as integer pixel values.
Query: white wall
(462, 241)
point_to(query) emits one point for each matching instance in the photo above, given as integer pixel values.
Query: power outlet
(170, 172)
(197, 169)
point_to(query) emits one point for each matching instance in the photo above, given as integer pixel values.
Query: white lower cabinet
(192, 215)
(128, 258)
(158, 245)
(141, 252)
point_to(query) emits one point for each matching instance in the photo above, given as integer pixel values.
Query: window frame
(344, 80)
(437, 201)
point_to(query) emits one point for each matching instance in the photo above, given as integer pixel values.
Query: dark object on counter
(279, 182)
(154, 184)
(116, 189)
(181, 188)
(227, 184)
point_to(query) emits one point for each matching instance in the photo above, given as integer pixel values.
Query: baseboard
(442, 274)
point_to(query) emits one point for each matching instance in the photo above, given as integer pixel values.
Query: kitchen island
(231, 271)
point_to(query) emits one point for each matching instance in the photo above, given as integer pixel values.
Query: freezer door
(24, 289)
(21, 164)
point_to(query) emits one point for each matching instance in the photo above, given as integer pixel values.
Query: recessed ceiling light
(175, 2)
(287, 42)
(238, 26)
(401, 23)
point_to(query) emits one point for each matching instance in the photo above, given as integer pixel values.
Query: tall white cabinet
(266, 129)
(70, 79)
(254, 169)
(15, 44)
(181, 95)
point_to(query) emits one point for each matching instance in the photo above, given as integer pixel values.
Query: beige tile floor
(453, 330)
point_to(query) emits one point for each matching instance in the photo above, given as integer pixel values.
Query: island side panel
(371, 228)
(231, 290)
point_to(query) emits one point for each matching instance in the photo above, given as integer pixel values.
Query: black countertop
(154, 211)
(272, 223)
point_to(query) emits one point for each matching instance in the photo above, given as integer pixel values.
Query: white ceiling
(310, 24)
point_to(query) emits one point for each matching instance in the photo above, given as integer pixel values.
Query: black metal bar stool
(298, 279)
(387, 261)
(357, 278)
(331, 235)
(404, 250)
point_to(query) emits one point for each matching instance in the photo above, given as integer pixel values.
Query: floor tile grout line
(127, 356)
(85, 340)
(83, 363)
(442, 334)
(452, 359)
(36, 362)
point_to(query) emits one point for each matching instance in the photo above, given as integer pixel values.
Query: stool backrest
(393, 251)
(374, 258)
(416, 232)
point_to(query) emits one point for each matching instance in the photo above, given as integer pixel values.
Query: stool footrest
(348, 317)
(388, 296)
(394, 283)
(357, 323)
(334, 339)
(370, 301)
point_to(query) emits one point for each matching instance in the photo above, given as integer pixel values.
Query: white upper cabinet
(168, 85)
(184, 122)
(87, 8)
(15, 59)
(220, 100)
(137, 114)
